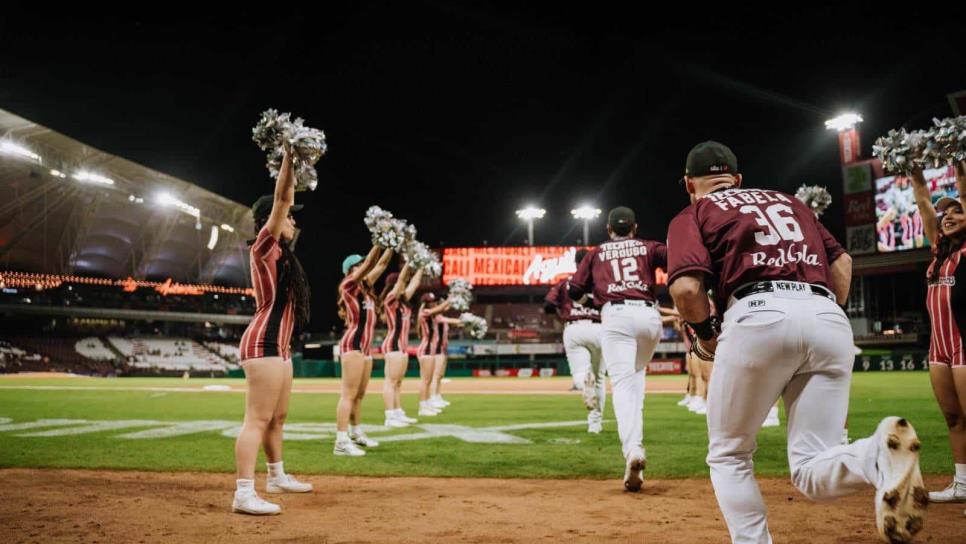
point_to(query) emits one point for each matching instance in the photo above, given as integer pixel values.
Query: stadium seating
(93, 348)
(168, 354)
(62, 355)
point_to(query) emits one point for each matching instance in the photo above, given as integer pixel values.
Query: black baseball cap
(710, 158)
(621, 215)
(262, 207)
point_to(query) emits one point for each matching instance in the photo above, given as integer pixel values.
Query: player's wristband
(707, 329)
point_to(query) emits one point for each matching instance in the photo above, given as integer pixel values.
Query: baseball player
(620, 274)
(581, 340)
(777, 274)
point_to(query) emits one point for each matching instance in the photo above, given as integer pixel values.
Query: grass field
(675, 439)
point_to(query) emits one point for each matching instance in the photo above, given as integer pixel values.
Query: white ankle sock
(961, 473)
(275, 470)
(244, 487)
(341, 436)
(354, 430)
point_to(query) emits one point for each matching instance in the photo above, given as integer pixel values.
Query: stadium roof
(67, 208)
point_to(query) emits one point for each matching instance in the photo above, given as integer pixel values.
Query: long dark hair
(292, 276)
(946, 247)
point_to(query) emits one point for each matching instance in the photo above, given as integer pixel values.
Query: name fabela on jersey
(736, 198)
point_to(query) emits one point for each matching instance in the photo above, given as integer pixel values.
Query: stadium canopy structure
(67, 208)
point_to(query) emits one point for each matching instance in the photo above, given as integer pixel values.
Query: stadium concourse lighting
(91, 177)
(227, 228)
(587, 214)
(843, 122)
(11, 148)
(528, 214)
(58, 174)
(166, 199)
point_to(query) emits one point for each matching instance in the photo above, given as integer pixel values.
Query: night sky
(454, 115)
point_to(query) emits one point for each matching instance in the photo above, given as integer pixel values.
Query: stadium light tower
(849, 146)
(587, 214)
(528, 214)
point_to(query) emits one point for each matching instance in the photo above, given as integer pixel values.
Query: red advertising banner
(849, 147)
(540, 265)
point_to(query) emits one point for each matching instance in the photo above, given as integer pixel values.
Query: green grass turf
(676, 440)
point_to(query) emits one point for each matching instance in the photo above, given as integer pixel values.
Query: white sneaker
(287, 483)
(428, 411)
(254, 505)
(394, 423)
(698, 404)
(589, 393)
(685, 401)
(347, 449)
(438, 403)
(634, 472)
(362, 440)
(772, 419)
(955, 492)
(900, 498)
(401, 416)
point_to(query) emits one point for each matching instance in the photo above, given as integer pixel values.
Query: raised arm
(930, 223)
(414, 284)
(366, 265)
(400, 285)
(373, 276)
(284, 197)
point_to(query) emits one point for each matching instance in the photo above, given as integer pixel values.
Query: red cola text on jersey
(620, 269)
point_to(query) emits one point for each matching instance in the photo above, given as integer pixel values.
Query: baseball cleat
(634, 472)
(900, 499)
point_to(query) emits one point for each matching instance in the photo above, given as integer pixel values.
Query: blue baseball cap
(349, 262)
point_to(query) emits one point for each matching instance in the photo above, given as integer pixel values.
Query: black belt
(633, 302)
(769, 287)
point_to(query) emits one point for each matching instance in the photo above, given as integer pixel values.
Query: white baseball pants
(629, 335)
(798, 346)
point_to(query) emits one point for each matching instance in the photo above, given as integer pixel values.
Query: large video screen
(898, 222)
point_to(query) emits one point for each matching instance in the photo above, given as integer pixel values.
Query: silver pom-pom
(387, 231)
(949, 138)
(420, 257)
(460, 294)
(817, 198)
(901, 151)
(473, 325)
(276, 132)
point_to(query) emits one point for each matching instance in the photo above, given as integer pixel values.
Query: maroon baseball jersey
(738, 236)
(619, 269)
(567, 309)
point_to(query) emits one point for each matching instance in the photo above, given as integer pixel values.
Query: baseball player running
(620, 274)
(778, 274)
(581, 340)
